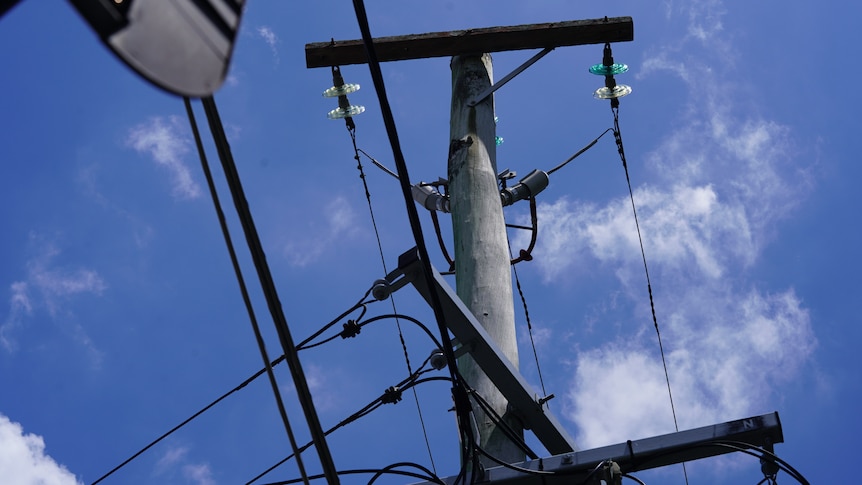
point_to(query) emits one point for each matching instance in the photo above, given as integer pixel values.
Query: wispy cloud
(271, 40)
(165, 141)
(199, 474)
(721, 181)
(49, 287)
(23, 459)
(176, 460)
(338, 222)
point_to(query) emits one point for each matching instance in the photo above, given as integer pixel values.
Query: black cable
(746, 448)
(619, 140)
(395, 316)
(366, 471)
(402, 464)
(503, 425)
(253, 376)
(378, 164)
(635, 479)
(238, 271)
(268, 287)
(529, 328)
(513, 467)
(188, 420)
(304, 344)
(578, 153)
(459, 393)
(409, 382)
(351, 128)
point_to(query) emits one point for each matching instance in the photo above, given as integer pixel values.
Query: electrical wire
(351, 128)
(579, 152)
(410, 382)
(513, 467)
(224, 154)
(462, 405)
(403, 464)
(635, 479)
(620, 149)
(304, 344)
(746, 448)
(368, 471)
(269, 290)
(188, 420)
(503, 425)
(378, 164)
(529, 326)
(395, 316)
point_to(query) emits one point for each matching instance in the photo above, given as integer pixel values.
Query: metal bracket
(488, 91)
(473, 337)
(632, 456)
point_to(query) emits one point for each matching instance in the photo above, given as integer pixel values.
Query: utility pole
(481, 314)
(482, 260)
(482, 275)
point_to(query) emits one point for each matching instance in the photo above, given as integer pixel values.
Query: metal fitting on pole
(529, 186)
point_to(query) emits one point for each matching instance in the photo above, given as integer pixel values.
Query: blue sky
(120, 315)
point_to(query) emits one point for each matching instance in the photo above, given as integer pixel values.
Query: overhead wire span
(747, 449)
(367, 471)
(621, 150)
(227, 160)
(579, 152)
(189, 419)
(633, 478)
(358, 325)
(410, 382)
(270, 293)
(504, 426)
(378, 164)
(462, 404)
(351, 129)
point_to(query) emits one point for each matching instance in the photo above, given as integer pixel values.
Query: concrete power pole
(482, 269)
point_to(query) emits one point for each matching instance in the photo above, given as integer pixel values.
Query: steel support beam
(633, 456)
(472, 337)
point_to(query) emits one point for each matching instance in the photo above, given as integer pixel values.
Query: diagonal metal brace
(473, 337)
(490, 89)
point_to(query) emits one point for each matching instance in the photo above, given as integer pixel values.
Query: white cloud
(725, 355)
(199, 474)
(271, 40)
(338, 218)
(720, 181)
(166, 143)
(49, 287)
(170, 458)
(23, 460)
(176, 460)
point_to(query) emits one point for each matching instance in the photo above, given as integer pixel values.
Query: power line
(619, 141)
(212, 116)
(268, 287)
(410, 382)
(462, 404)
(351, 128)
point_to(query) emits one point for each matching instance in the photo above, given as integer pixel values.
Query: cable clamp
(391, 395)
(351, 329)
